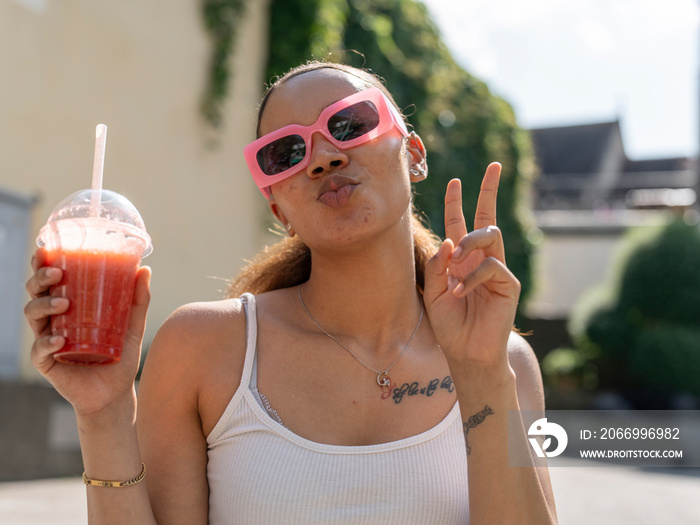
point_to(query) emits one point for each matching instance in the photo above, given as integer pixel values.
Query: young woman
(364, 376)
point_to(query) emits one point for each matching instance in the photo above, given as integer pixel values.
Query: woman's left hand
(470, 294)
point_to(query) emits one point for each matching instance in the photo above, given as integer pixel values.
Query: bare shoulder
(528, 375)
(198, 350)
(195, 321)
(520, 353)
(199, 331)
(191, 371)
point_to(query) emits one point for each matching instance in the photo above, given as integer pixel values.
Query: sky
(564, 62)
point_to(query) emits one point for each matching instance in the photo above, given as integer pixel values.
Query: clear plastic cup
(99, 250)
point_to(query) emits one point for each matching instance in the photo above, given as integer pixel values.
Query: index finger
(38, 259)
(455, 226)
(486, 205)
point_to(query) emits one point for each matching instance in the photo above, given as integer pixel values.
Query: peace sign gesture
(470, 294)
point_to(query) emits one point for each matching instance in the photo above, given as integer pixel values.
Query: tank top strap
(251, 320)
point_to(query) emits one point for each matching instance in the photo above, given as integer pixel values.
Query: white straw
(98, 169)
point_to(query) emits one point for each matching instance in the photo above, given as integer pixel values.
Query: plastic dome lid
(114, 208)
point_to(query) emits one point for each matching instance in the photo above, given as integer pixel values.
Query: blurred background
(591, 107)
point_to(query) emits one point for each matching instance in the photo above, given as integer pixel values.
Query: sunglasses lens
(281, 155)
(354, 121)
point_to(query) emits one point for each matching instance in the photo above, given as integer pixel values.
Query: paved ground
(585, 496)
(625, 495)
(44, 502)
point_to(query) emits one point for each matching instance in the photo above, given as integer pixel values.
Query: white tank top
(261, 473)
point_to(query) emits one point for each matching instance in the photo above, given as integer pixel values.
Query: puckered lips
(335, 190)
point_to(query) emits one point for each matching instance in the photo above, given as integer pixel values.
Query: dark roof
(573, 149)
(575, 164)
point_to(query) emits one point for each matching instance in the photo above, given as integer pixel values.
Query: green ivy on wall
(220, 19)
(463, 125)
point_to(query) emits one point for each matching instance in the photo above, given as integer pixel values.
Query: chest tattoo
(417, 389)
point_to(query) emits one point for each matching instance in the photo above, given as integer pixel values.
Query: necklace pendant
(383, 379)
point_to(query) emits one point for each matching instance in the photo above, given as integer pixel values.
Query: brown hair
(315, 65)
(288, 262)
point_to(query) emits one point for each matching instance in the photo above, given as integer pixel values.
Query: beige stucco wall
(580, 251)
(567, 267)
(138, 67)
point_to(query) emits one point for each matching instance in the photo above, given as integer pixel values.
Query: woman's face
(342, 196)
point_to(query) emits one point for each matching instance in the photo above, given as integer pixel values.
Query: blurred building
(141, 68)
(585, 168)
(587, 195)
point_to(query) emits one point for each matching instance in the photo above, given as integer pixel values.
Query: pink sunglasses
(347, 123)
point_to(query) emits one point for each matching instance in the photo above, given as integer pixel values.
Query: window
(14, 236)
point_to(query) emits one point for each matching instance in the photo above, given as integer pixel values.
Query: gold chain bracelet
(102, 483)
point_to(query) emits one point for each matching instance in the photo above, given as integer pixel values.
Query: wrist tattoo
(475, 421)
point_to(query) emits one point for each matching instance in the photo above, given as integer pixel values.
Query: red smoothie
(100, 287)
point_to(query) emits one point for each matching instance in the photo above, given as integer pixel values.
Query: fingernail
(58, 301)
(54, 340)
(457, 252)
(458, 289)
(51, 272)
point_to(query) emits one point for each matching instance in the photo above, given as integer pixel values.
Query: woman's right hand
(89, 389)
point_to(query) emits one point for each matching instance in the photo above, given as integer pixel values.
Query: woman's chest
(328, 396)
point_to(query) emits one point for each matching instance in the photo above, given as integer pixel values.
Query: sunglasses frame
(389, 118)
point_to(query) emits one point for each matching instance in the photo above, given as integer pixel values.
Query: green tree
(646, 333)
(464, 126)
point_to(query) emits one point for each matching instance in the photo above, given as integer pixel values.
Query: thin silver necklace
(383, 379)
